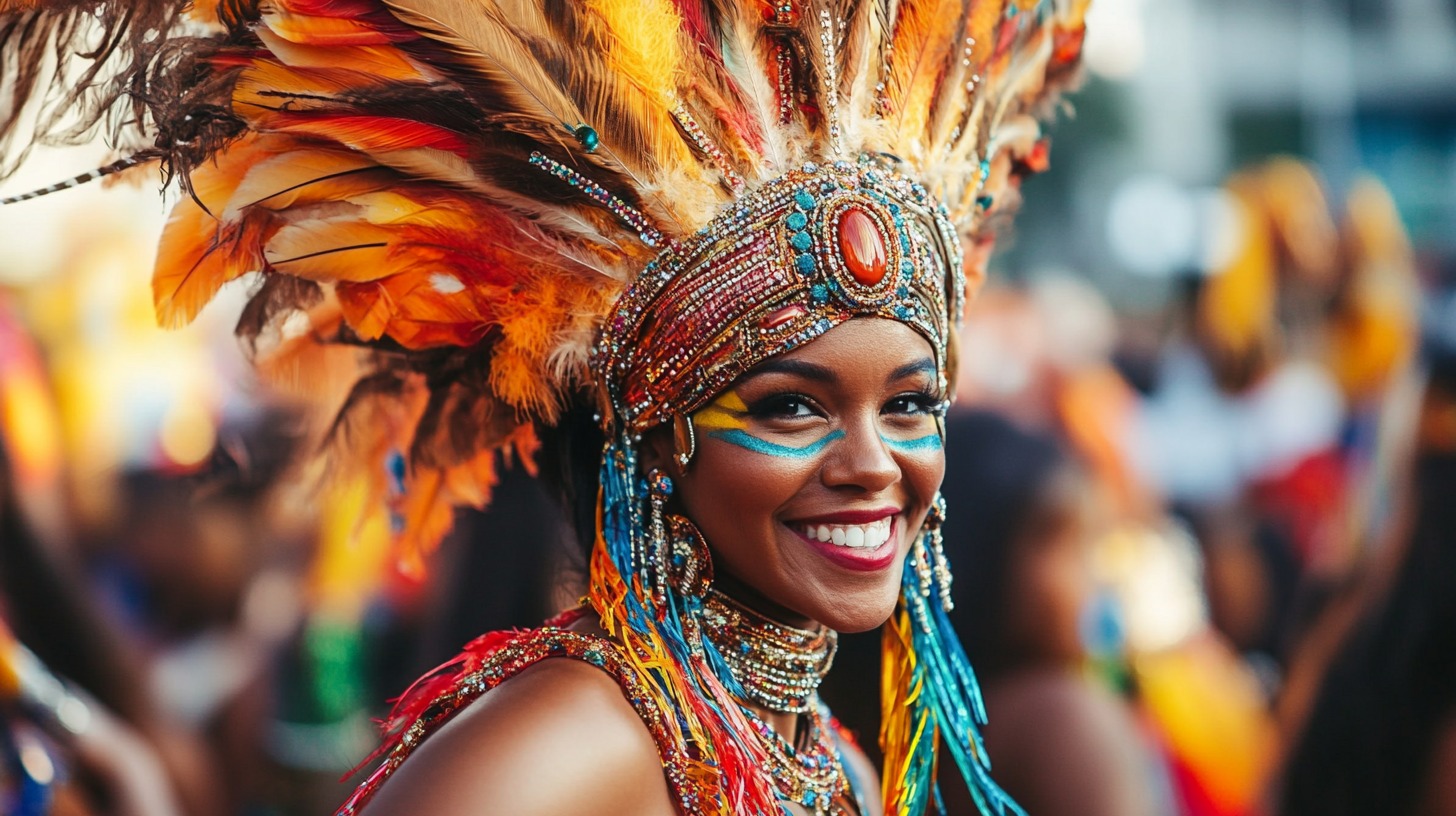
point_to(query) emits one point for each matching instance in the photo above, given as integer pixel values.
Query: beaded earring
(690, 571)
(690, 576)
(928, 560)
(659, 489)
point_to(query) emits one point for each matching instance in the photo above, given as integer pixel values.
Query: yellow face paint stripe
(727, 412)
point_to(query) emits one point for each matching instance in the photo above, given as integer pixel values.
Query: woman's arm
(559, 738)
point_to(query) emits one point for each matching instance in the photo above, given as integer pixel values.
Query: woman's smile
(862, 540)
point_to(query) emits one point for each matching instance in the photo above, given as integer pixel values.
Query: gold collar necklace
(778, 666)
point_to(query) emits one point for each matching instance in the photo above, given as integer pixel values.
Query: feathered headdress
(494, 205)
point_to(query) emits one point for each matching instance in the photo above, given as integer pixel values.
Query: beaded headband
(804, 253)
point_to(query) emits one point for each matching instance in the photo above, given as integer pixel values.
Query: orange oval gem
(862, 247)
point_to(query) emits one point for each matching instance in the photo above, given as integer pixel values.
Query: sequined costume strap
(512, 654)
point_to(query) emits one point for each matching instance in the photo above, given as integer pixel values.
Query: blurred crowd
(1205, 556)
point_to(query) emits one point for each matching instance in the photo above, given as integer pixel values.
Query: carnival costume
(498, 205)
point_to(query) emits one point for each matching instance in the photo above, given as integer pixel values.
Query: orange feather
(926, 34)
(198, 253)
(380, 62)
(313, 30)
(371, 134)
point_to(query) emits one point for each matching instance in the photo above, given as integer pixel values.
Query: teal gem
(804, 200)
(587, 136)
(801, 241)
(797, 220)
(985, 202)
(805, 264)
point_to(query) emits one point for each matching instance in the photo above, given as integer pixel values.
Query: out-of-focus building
(1182, 93)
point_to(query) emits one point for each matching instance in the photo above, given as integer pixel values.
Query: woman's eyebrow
(924, 365)
(810, 371)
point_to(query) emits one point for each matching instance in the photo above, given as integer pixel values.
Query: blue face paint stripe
(925, 443)
(743, 439)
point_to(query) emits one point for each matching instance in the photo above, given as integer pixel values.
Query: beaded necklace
(813, 775)
(779, 667)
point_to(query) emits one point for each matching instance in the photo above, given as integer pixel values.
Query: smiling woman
(732, 229)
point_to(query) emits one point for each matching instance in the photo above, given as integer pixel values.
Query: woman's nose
(861, 459)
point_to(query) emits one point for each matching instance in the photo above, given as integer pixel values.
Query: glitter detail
(831, 81)
(627, 214)
(710, 149)
(812, 776)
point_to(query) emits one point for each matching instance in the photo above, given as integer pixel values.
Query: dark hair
(1391, 689)
(570, 465)
(996, 479)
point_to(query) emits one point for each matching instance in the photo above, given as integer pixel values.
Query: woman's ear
(657, 451)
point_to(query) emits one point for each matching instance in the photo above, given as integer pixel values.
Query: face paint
(726, 418)
(727, 412)
(744, 439)
(929, 442)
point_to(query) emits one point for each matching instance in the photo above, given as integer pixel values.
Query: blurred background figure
(1064, 742)
(1380, 730)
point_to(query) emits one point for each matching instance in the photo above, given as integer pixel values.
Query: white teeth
(858, 536)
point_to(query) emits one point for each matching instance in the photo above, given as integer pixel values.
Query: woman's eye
(914, 404)
(787, 406)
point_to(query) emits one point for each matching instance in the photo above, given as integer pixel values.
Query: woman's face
(814, 472)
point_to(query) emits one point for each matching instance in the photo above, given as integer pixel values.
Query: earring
(691, 569)
(935, 544)
(659, 488)
(691, 575)
(685, 440)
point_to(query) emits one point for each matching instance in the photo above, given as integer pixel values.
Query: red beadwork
(862, 247)
(782, 316)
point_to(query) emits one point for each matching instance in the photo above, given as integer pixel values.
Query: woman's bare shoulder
(558, 738)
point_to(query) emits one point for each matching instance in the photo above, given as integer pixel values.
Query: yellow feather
(648, 47)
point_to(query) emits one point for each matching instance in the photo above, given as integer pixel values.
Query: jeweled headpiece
(801, 254)
(476, 210)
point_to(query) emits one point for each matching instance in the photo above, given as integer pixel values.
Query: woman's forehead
(861, 345)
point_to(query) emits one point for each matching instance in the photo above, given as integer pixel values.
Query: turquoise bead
(587, 136)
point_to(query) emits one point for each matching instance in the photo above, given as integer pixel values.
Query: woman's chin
(850, 616)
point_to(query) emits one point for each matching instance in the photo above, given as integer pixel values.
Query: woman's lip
(858, 559)
(849, 517)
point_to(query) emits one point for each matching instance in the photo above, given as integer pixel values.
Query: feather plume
(926, 40)
(480, 38)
